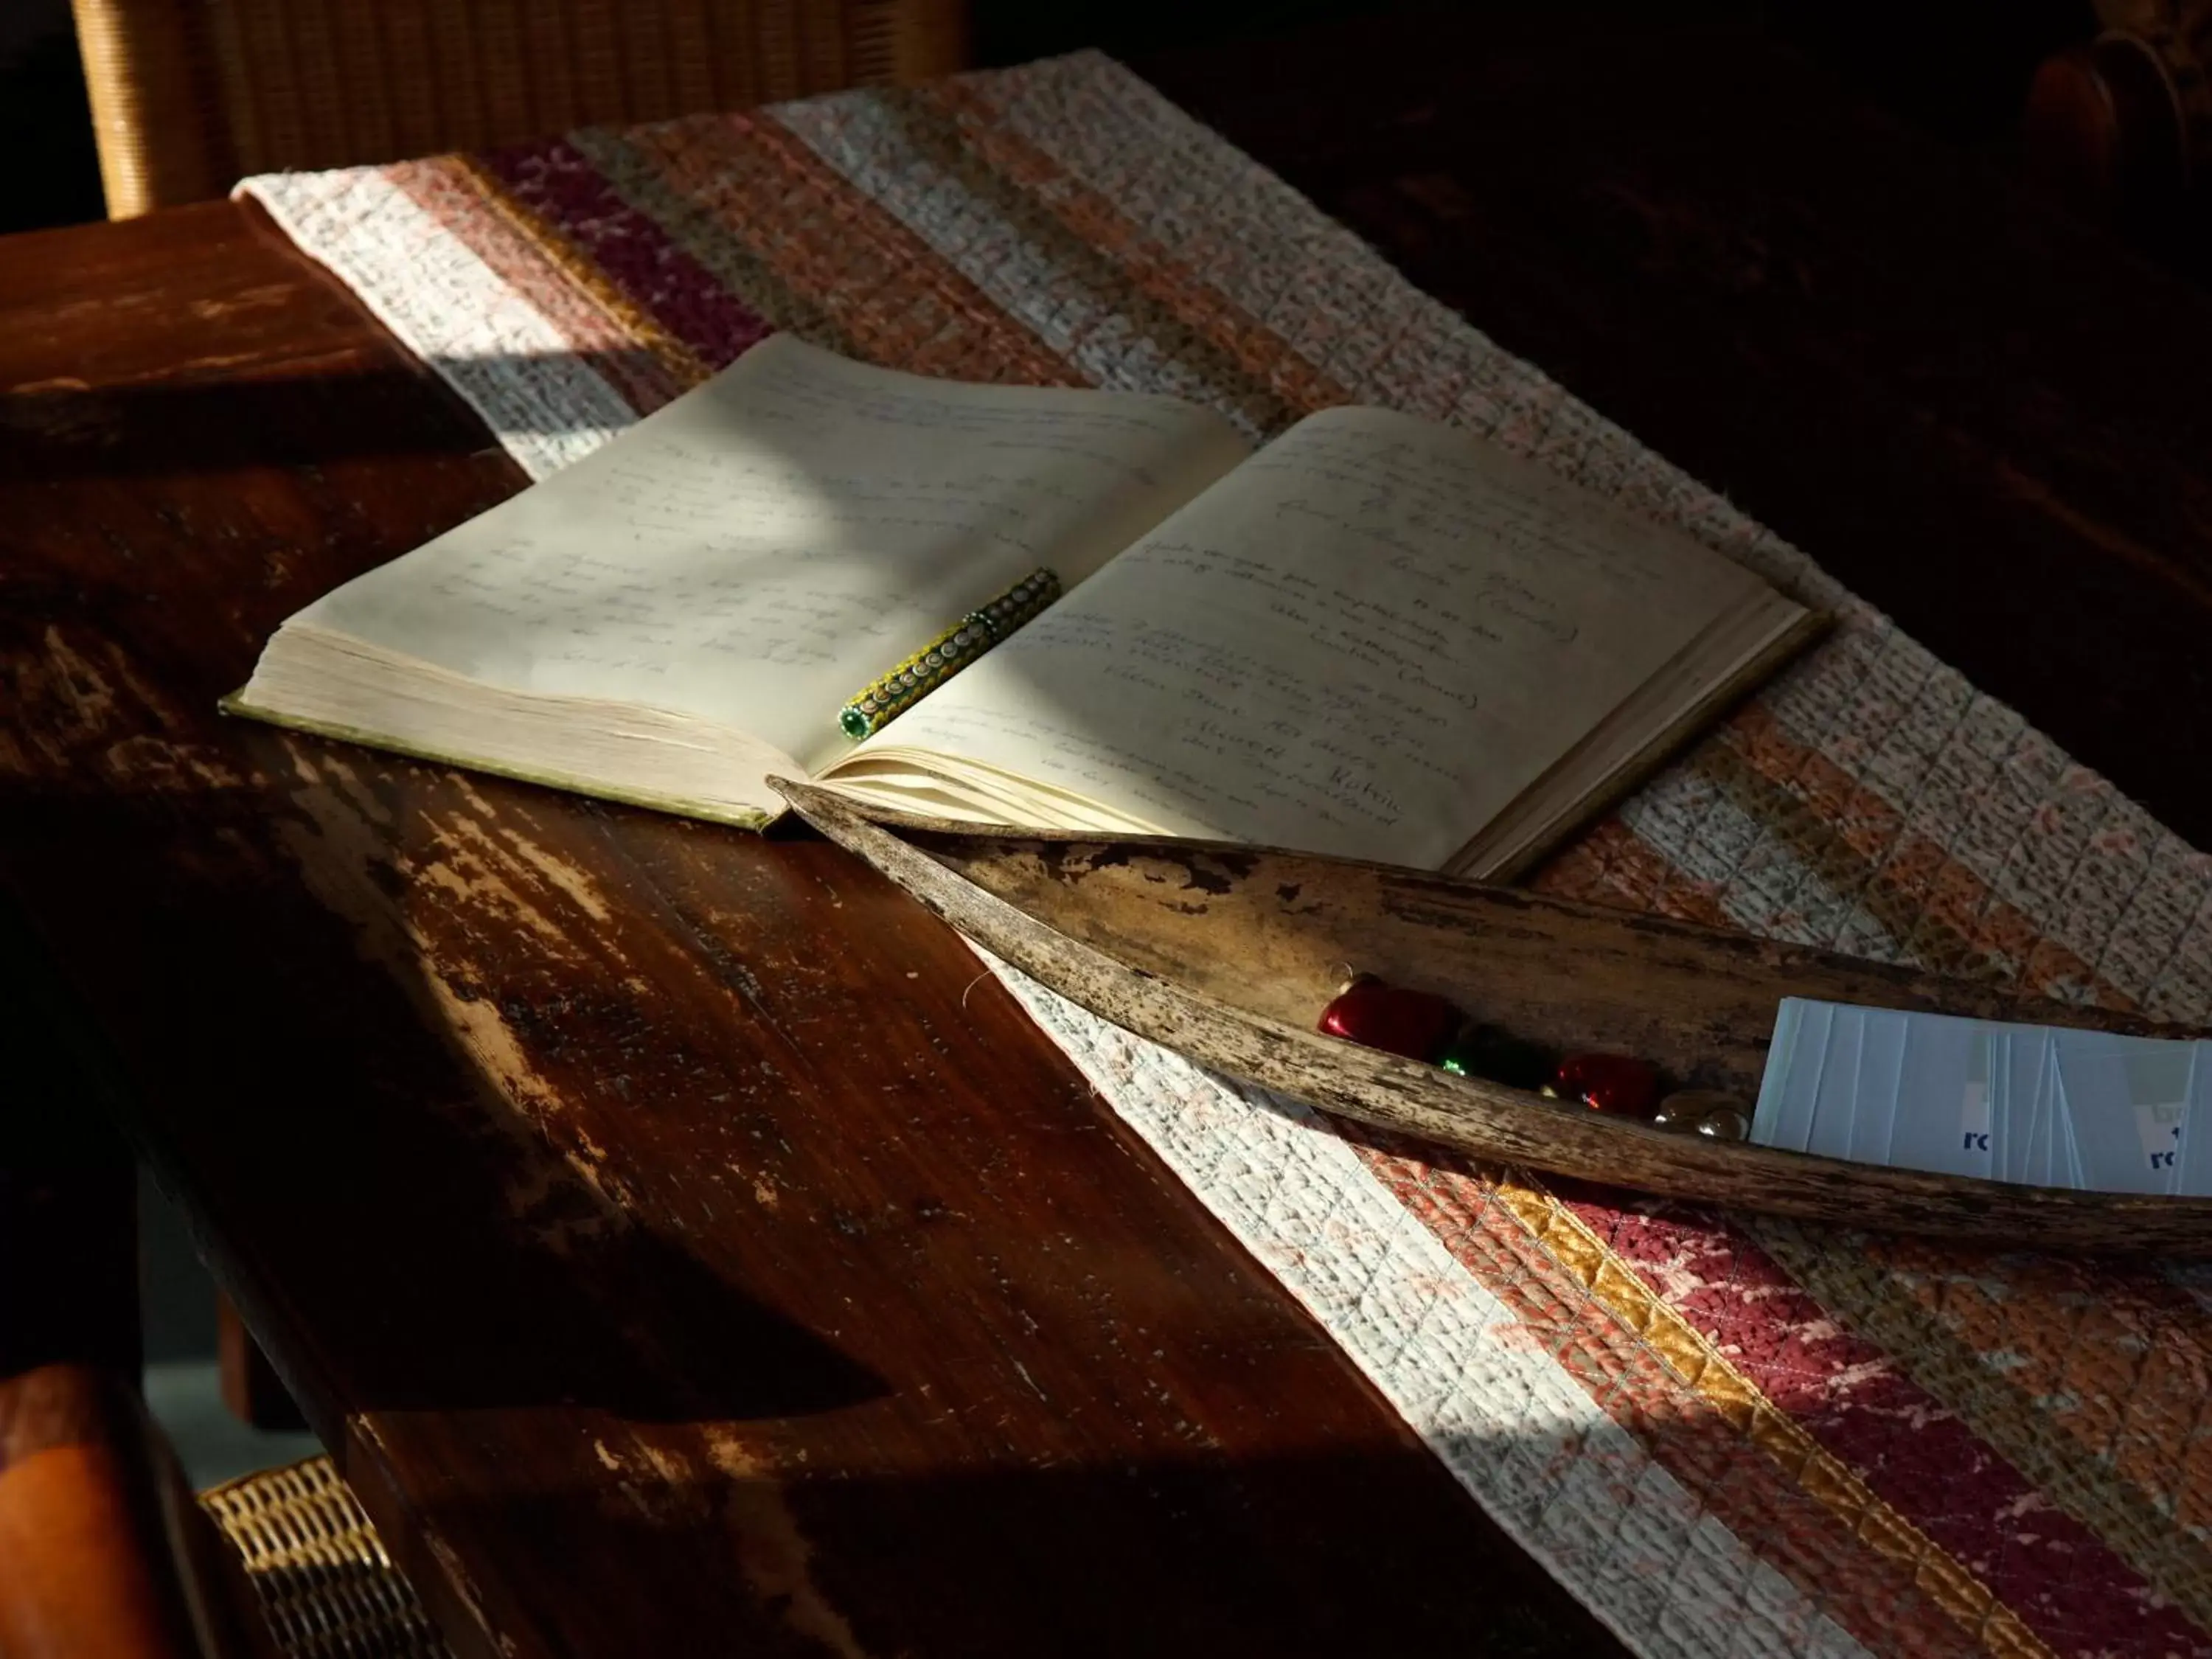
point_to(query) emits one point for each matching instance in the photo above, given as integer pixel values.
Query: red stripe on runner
(2062, 1581)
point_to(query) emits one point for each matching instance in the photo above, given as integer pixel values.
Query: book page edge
(675, 805)
(1800, 635)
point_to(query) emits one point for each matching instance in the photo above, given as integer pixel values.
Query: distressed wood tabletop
(682, 1244)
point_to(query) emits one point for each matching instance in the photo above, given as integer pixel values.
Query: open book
(1375, 637)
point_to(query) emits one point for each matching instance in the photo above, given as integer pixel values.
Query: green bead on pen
(876, 704)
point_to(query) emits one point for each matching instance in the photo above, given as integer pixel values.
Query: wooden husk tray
(1226, 954)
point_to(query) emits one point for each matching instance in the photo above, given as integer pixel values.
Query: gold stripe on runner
(1874, 1598)
(688, 367)
(2026, 1415)
(836, 247)
(1593, 1264)
(445, 192)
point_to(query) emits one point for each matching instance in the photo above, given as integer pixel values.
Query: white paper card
(2044, 1105)
(2124, 1100)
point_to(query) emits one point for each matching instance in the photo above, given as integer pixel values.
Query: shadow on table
(1370, 1549)
(527, 1380)
(320, 416)
(461, 1254)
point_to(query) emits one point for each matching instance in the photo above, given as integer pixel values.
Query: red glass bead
(1410, 1023)
(1608, 1082)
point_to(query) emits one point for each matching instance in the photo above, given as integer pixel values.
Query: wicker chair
(188, 96)
(320, 1573)
(103, 1551)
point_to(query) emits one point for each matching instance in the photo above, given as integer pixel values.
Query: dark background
(1959, 68)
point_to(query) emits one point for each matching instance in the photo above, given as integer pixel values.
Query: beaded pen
(876, 703)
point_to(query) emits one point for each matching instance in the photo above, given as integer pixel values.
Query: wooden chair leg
(79, 1531)
(102, 1550)
(256, 1396)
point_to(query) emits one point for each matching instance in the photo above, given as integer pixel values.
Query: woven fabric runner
(1724, 1434)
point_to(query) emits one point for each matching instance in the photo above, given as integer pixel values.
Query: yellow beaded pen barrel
(945, 656)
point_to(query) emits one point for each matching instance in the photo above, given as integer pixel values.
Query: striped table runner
(1725, 1435)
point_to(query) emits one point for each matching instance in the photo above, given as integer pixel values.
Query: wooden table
(683, 1245)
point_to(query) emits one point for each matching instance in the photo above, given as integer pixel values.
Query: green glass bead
(1485, 1051)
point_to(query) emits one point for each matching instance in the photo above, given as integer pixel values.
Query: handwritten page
(754, 552)
(1366, 641)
